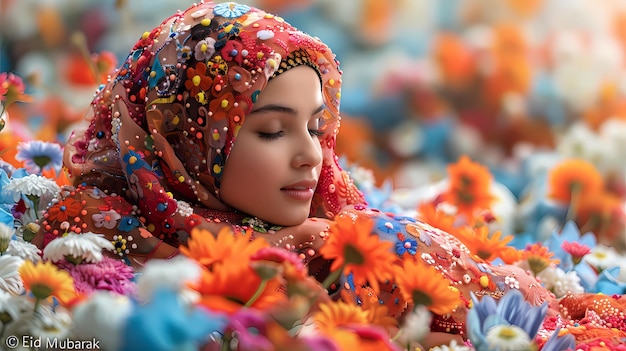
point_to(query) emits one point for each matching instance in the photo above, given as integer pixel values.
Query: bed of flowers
(566, 230)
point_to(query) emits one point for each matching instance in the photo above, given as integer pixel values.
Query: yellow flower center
(196, 80)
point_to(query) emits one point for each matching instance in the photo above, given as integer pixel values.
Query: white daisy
(32, 185)
(415, 326)
(13, 305)
(25, 250)
(6, 233)
(602, 257)
(77, 247)
(508, 338)
(10, 280)
(102, 317)
(453, 346)
(44, 323)
(174, 273)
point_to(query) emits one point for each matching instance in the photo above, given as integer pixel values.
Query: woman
(225, 115)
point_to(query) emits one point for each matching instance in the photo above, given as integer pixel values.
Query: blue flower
(569, 233)
(512, 309)
(165, 324)
(559, 343)
(39, 155)
(128, 223)
(608, 284)
(134, 162)
(230, 9)
(407, 245)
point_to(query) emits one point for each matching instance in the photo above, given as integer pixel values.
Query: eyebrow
(284, 109)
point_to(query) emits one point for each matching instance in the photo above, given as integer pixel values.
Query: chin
(290, 221)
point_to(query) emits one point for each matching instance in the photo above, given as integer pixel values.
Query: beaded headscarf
(160, 131)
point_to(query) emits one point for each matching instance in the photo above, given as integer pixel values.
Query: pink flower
(577, 250)
(107, 219)
(108, 274)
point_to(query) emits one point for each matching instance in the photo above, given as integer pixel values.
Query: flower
(453, 346)
(235, 285)
(165, 323)
(559, 342)
(416, 325)
(538, 257)
(230, 9)
(46, 323)
(432, 214)
(602, 257)
(508, 338)
(10, 280)
(11, 90)
(482, 244)
(43, 279)
(573, 177)
(601, 213)
(77, 247)
(511, 310)
(333, 315)
(468, 187)
(211, 251)
(204, 49)
(354, 250)
(577, 250)
(63, 210)
(198, 82)
(424, 285)
(560, 283)
(32, 185)
(25, 250)
(107, 219)
(6, 233)
(570, 233)
(108, 274)
(102, 317)
(39, 155)
(174, 274)
(11, 306)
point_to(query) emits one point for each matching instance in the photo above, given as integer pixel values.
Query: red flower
(64, 209)
(577, 250)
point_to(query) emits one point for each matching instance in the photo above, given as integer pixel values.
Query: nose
(308, 153)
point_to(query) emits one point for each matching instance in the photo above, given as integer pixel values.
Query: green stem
(332, 277)
(257, 293)
(37, 304)
(572, 209)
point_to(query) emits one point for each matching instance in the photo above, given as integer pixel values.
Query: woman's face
(273, 168)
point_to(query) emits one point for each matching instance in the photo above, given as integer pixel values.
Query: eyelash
(273, 136)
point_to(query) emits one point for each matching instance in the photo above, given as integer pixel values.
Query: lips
(301, 191)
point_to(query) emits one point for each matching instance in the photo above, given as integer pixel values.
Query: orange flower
(236, 285)
(574, 176)
(428, 213)
(198, 83)
(44, 280)
(511, 255)
(469, 187)
(61, 178)
(64, 210)
(355, 250)
(481, 244)
(378, 314)
(210, 250)
(538, 257)
(424, 285)
(333, 315)
(602, 214)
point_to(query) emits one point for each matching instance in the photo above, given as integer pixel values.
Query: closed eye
(270, 136)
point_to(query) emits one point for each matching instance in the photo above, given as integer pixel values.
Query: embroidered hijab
(161, 130)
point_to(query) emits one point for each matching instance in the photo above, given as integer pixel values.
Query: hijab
(161, 130)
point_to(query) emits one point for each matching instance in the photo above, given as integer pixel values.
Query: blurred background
(425, 81)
